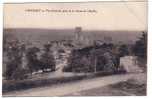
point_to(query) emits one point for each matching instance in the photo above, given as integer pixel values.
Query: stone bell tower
(78, 33)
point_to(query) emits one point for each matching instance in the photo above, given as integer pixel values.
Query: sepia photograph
(74, 49)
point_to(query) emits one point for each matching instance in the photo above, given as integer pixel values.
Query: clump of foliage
(140, 47)
(123, 50)
(14, 53)
(33, 62)
(47, 59)
(92, 59)
(140, 50)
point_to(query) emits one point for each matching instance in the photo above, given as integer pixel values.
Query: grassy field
(131, 87)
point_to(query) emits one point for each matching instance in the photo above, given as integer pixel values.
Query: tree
(47, 58)
(14, 60)
(33, 63)
(140, 47)
(123, 50)
(92, 59)
(140, 50)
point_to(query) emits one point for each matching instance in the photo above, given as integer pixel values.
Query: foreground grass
(131, 87)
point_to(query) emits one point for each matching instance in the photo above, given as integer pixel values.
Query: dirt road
(72, 87)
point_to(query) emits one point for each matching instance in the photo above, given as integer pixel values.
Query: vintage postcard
(75, 49)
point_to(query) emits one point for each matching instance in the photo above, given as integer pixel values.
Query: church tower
(78, 33)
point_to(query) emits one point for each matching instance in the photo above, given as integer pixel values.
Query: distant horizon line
(83, 29)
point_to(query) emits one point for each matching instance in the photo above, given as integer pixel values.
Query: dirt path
(72, 87)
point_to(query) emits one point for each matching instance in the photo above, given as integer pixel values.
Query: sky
(106, 15)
